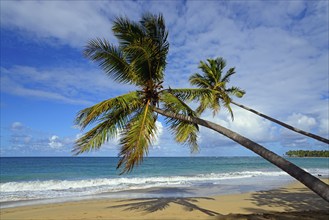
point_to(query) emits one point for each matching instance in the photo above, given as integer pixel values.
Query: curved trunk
(307, 179)
(316, 137)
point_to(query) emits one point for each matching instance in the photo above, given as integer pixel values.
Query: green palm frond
(200, 81)
(208, 69)
(236, 91)
(142, 54)
(136, 138)
(107, 129)
(93, 139)
(184, 132)
(111, 59)
(127, 31)
(156, 29)
(203, 105)
(225, 99)
(124, 102)
(228, 74)
(112, 118)
(190, 94)
(173, 102)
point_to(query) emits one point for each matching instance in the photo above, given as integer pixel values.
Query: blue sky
(279, 49)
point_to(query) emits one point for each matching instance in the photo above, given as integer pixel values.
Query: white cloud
(245, 123)
(55, 143)
(156, 141)
(16, 126)
(324, 127)
(301, 121)
(25, 141)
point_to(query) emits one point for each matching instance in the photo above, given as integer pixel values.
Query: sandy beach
(293, 201)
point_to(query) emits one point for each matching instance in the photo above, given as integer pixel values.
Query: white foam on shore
(31, 190)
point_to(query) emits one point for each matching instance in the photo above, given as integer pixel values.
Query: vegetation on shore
(308, 153)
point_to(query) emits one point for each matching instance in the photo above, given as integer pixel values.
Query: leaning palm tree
(214, 79)
(140, 60)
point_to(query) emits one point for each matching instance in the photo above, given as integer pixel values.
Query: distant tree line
(308, 153)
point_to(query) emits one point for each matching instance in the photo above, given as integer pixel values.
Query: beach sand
(289, 202)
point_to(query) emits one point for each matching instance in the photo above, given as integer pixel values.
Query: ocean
(36, 180)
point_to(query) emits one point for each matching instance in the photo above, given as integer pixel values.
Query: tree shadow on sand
(296, 200)
(299, 204)
(158, 204)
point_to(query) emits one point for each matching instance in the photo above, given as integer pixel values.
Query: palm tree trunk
(307, 179)
(316, 137)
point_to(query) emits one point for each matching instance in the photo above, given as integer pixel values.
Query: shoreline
(226, 187)
(285, 200)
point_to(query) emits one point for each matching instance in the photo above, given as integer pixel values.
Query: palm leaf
(110, 123)
(136, 138)
(141, 53)
(190, 94)
(107, 129)
(185, 132)
(200, 81)
(228, 74)
(127, 31)
(111, 59)
(156, 29)
(125, 102)
(236, 91)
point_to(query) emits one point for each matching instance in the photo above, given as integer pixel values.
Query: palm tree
(140, 60)
(212, 79)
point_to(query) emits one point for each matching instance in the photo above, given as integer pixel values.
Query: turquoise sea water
(65, 178)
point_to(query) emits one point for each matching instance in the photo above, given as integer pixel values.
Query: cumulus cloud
(156, 141)
(26, 141)
(245, 123)
(302, 121)
(55, 143)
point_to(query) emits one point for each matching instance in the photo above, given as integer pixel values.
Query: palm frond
(111, 59)
(226, 100)
(155, 28)
(200, 81)
(208, 70)
(184, 132)
(228, 74)
(111, 121)
(107, 129)
(156, 31)
(93, 139)
(141, 53)
(136, 138)
(124, 102)
(203, 105)
(190, 94)
(221, 63)
(236, 91)
(127, 31)
(174, 103)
